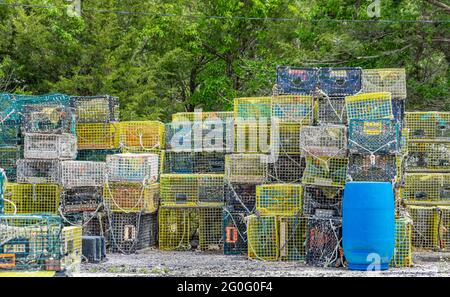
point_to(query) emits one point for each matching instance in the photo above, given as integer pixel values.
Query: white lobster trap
(132, 167)
(391, 80)
(38, 171)
(50, 146)
(330, 141)
(82, 174)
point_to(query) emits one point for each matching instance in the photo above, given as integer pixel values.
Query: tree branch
(443, 6)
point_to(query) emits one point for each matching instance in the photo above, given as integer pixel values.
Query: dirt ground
(153, 262)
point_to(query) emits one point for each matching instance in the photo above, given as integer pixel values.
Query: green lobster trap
(328, 140)
(292, 238)
(252, 108)
(96, 109)
(130, 197)
(8, 158)
(426, 125)
(428, 156)
(141, 136)
(279, 199)
(392, 80)
(403, 243)
(426, 188)
(425, 224)
(369, 106)
(48, 119)
(192, 190)
(325, 171)
(293, 109)
(263, 238)
(241, 197)
(253, 137)
(234, 232)
(9, 133)
(32, 198)
(285, 138)
(246, 168)
(98, 136)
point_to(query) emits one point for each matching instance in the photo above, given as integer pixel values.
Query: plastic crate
(71, 248)
(263, 238)
(252, 137)
(252, 108)
(340, 80)
(39, 171)
(50, 146)
(428, 125)
(285, 138)
(130, 197)
(331, 110)
(279, 199)
(425, 221)
(95, 155)
(391, 80)
(98, 136)
(369, 106)
(8, 158)
(96, 109)
(326, 171)
(426, 188)
(82, 174)
(293, 109)
(142, 135)
(202, 116)
(240, 197)
(133, 167)
(403, 243)
(374, 168)
(234, 232)
(428, 156)
(369, 137)
(292, 238)
(322, 200)
(48, 119)
(297, 80)
(328, 141)
(286, 168)
(246, 168)
(81, 199)
(32, 198)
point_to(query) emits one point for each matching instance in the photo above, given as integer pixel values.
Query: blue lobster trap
(398, 109)
(9, 133)
(296, 80)
(369, 137)
(234, 232)
(7, 107)
(340, 81)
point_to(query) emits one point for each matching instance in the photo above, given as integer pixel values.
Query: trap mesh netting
(391, 80)
(328, 140)
(96, 109)
(295, 80)
(253, 137)
(285, 138)
(428, 156)
(263, 241)
(202, 116)
(133, 167)
(425, 222)
(82, 174)
(279, 199)
(193, 162)
(38, 171)
(426, 187)
(98, 136)
(292, 238)
(403, 243)
(51, 119)
(383, 168)
(326, 171)
(286, 168)
(95, 155)
(234, 232)
(331, 110)
(240, 196)
(320, 200)
(32, 198)
(131, 197)
(369, 106)
(141, 135)
(9, 133)
(428, 125)
(71, 248)
(293, 109)
(81, 199)
(8, 158)
(252, 108)
(340, 80)
(250, 168)
(50, 146)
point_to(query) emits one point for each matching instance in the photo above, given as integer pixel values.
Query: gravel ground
(153, 262)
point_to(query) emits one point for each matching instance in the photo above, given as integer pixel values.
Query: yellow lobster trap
(252, 108)
(425, 125)
(141, 136)
(369, 106)
(428, 156)
(279, 199)
(263, 239)
(252, 136)
(426, 188)
(98, 136)
(131, 197)
(325, 171)
(425, 224)
(71, 248)
(202, 116)
(292, 238)
(32, 198)
(391, 80)
(293, 109)
(285, 138)
(403, 243)
(246, 168)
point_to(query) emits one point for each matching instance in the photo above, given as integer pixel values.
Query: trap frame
(210, 229)
(403, 243)
(246, 168)
(131, 197)
(428, 156)
(98, 136)
(325, 171)
(296, 80)
(292, 238)
(141, 135)
(398, 110)
(382, 168)
(81, 199)
(340, 80)
(426, 188)
(286, 168)
(50, 146)
(130, 167)
(328, 141)
(391, 80)
(426, 125)
(234, 232)
(96, 109)
(193, 162)
(369, 106)
(82, 174)
(263, 238)
(32, 198)
(48, 119)
(293, 109)
(279, 199)
(252, 108)
(322, 200)
(39, 171)
(8, 158)
(331, 110)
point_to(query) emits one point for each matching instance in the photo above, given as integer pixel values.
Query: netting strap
(372, 153)
(340, 116)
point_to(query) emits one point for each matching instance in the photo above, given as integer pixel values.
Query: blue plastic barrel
(368, 225)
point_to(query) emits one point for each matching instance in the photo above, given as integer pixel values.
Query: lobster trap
(295, 80)
(81, 199)
(234, 232)
(252, 108)
(71, 248)
(9, 133)
(193, 162)
(30, 242)
(328, 141)
(263, 240)
(3, 179)
(428, 156)
(292, 236)
(426, 188)
(286, 168)
(331, 110)
(279, 199)
(133, 167)
(48, 119)
(381, 168)
(50, 146)
(23, 101)
(246, 168)
(32, 198)
(95, 155)
(82, 174)
(98, 136)
(340, 80)
(285, 138)
(202, 116)
(403, 243)
(38, 171)
(142, 135)
(7, 108)
(96, 109)
(322, 201)
(369, 106)
(428, 125)
(252, 137)
(425, 222)
(129, 197)
(8, 158)
(391, 80)
(192, 189)
(240, 197)
(293, 109)
(132, 231)
(398, 110)
(93, 223)
(326, 171)
(323, 242)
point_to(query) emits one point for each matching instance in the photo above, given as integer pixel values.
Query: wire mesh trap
(293, 109)
(32, 198)
(93, 223)
(252, 137)
(202, 116)
(142, 135)
(428, 156)
(443, 228)
(192, 190)
(193, 162)
(285, 138)
(48, 119)
(132, 231)
(340, 80)
(428, 125)
(82, 174)
(403, 243)
(3, 179)
(368, 137)
(98, 136)
(22, 101)
(374, 168)
(286, 168)
(8, 158)
(426, 187)
(234, 232)
(391, 80)
(133, 167)
(398, 109)
(324, 140)
(246, 168)
(292, 238)
(81, 199)
(50, 146)
(240, 197)
(369, 106)
(425, 221)
(9, 133)
(279, 199)
(323, 242)
(96, 109)
(95, 155)
(7, 108)
(320, 201)
(131, 197)
(325, 171)
(252, 108)
(263, 240)
(30, 242)
(38, 171)
(296, 80)
(71, 248)
(331, 110)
